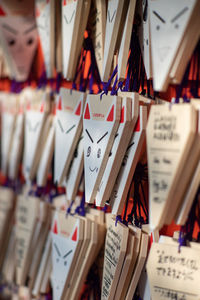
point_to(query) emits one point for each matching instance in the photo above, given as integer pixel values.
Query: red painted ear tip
(78, 110)
(37, 13)
(122, 115)
(74, 236)
(110, 117)
(21, 110)
(2, 13)
(59, 106)
(87, 113)
(42, 108)
(55, 228)
(28, 106)
(137, 126)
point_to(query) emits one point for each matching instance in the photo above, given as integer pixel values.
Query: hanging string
(140, 175)
(195, 90)
(94, 71)
(80, 210)
(58, 82)
(106, 85)
(42, 81)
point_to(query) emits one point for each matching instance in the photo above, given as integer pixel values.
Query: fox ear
(2, 13)
(42, 107)
(78, 109)
(122, 115)
(55, 228)
(74, 235)
(137, 126)
(21, 109)
(87, 112)
(59, 106)
(111, 114)
(28, 105)
(37, 13)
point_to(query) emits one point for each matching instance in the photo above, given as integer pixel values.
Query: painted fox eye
(29, 42)
(88, 151)
(99, 153)
(11, 42)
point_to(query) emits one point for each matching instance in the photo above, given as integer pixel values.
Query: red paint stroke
(55, 228)
(111, 114)
(87, 113)
(59, 107)
(78, 110)
(74, 236)
(2, 13)
(28, 106)
(122, 115)
(37, 13)
(42, 107)
(137, 126)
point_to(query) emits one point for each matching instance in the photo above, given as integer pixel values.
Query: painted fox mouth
(92, 170)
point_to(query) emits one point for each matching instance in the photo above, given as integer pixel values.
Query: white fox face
(20, 37)
(97, 135)
(62, 255)
(43, 24)
(168, 20)
(68, 126)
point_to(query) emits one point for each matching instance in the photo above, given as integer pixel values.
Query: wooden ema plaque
(100, 123)
(47, 153)
(26, 217)
(184, 181)
(43, 266)
(35, 118)
(193, 179)
(169, 19)
(98, 28)
(7, 203)
(8, 120)
(126, 265)
(137, 233)
(125, 40)
(42, 228)
(17, 143)
(19, 32)
(114, 15)
(138, 267)
(186, 48)
(168, 146)
(68, 130)
(90, 255)
(86, 242)
(116, 153)
(75, 171)
(173, 274)
(67, 237)
(71, 20)
(45, 19)
(123, 181)
(142, 9)
(115, 250)
(8, 268)
(80, 37)
(122, 137)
